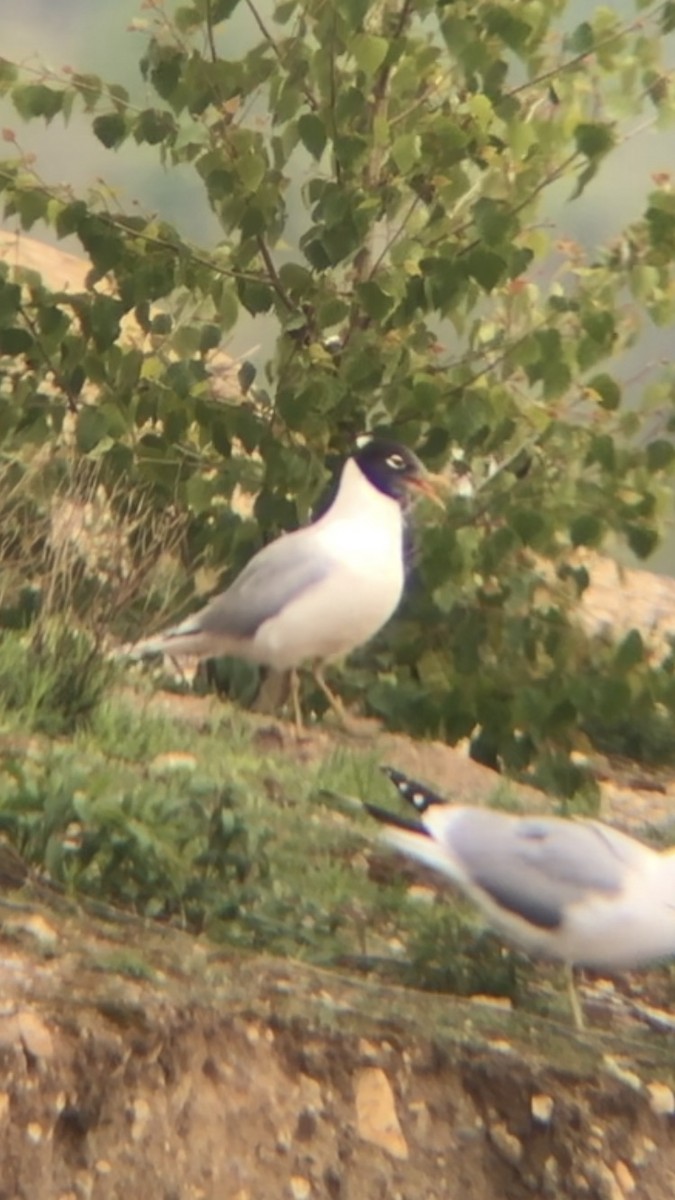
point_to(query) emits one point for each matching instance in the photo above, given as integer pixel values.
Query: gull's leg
(295, 701)
(575, 1003)
(334, 701)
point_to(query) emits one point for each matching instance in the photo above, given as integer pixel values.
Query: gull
(318, 593)
(576, 890)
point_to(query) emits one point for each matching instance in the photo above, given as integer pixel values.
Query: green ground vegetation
(217, 829)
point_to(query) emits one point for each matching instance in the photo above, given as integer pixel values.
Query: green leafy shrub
(426, 139)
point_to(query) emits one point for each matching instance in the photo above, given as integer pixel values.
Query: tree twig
(46, 358)
(309, 96)
(577, 59)
(209, 31)
(273, 274)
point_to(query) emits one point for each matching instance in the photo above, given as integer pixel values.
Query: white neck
(362, 521)
(358, 497)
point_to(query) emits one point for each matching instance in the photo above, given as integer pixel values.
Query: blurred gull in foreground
(575, 890)
(318, 593)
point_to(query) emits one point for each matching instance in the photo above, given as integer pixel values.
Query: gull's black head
(394, 470)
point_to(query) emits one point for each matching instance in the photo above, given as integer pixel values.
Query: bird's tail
(417, 794)
(392, 820)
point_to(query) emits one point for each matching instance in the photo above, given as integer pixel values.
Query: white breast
(362, 533)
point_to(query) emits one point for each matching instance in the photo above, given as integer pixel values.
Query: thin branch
(577, 59)
(273, 274)
(46, 358)
(147, 238)
(67, 82)
(363, 262)
(309, 96)
(209, 31)
(394, 237)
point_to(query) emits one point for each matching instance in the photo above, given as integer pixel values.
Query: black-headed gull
(571, 889)
(318, 593)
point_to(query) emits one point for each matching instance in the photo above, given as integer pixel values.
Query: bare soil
(139, 1063)
(249, 1079)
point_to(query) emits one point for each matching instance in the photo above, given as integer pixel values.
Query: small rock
(172, 760)
(507, 1144)
(623, 1074)
(423, 895)
(604, 1180)
(300, 1187)
(36, 927)
(501, 1046)
(504, 1003)
(643, 1151)
(661, 1099)
(103, 1167)
(551, 1177)
(376, 1117)
(34, 1133)
(624, 1178)
(541, 1107)
(35, 1035)
(139, 1111)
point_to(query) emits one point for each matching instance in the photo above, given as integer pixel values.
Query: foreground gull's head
(576, 890)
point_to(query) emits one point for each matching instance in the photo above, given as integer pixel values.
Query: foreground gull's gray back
(577, 890)
(534, 867)
(321, 591)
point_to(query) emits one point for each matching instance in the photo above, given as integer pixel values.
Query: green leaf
(668, 17)
(486, 267)
(312, 134)
(594, 139)
(660, 454)
(110, 129)
(8, 74)
(586, 530)
(91, 428)
(369, 51)
(297, 280)
(255, 297)
(153, 126)
(630, 652)
(582, 39)
(376, 303)
(37, 100)
(284, 12)
(608, 390)
(246, 376)
(161, 324)
(15, 341)
(406, 151)
(210, 338)
(642, 540)
(251, 169)
(494, 220)
(31, 207)
(529, 525)
(513, 32)
(10, 299)
(227, 306)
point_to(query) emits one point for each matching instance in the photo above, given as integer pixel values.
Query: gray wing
(536, 867)
(274, 577)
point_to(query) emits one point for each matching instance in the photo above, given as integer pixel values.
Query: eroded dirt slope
(252, 1079)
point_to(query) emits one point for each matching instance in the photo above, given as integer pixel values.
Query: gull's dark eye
(396, 462)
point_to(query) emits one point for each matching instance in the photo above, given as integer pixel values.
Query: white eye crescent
(396, 462)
